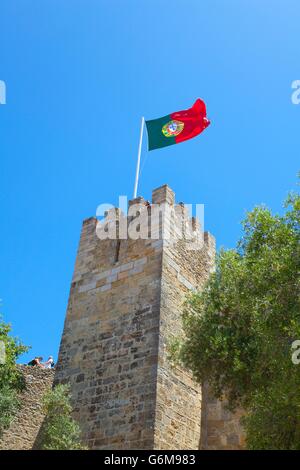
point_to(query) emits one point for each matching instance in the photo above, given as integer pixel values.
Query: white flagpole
(137, 173)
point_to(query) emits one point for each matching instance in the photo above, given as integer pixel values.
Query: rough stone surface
(124, 308)
(25, 427)
(220, 429)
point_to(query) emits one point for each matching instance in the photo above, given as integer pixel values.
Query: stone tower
(124, 307)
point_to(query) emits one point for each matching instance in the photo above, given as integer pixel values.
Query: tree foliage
(59, 431)
(9, 405)
(9, 373)
(238, 332)
(11, 379)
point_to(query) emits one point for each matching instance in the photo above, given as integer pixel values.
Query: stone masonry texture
(124, 308)
(26, 424)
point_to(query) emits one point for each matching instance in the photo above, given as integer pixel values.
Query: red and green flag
(177, 127)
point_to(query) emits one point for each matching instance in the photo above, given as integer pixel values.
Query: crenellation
(163, 194)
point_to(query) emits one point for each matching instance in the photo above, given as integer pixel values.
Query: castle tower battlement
(124, 308)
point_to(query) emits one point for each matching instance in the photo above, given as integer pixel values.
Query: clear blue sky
(79, 76)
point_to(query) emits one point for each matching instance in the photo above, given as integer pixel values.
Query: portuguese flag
(177, 127)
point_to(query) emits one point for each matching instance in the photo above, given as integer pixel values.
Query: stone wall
(221, 429)
(185, 267)
(26, 424)
(109, 347)
(124, 309)
(113, 346)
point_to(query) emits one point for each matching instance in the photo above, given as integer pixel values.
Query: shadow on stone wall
(220, 428)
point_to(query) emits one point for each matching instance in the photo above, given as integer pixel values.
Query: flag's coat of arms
(177, 127)
(172, 128)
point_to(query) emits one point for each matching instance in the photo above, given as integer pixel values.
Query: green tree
(11, 379)
(59, 431)
(9, 405)
(238, 332)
